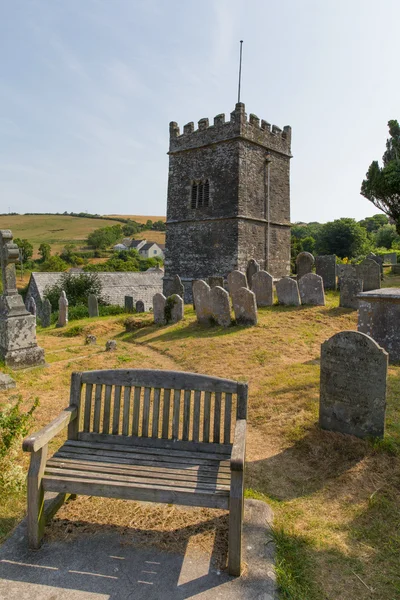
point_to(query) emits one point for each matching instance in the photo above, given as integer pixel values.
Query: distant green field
(59, 230)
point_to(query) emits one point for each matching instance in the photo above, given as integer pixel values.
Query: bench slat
(117, 409)
(141, 492)
(196, 415)
(136, 411)
(207, 415)
(127, 409)
(146, 412)
(186, 415)
(88, 407)
(166, 412)
(228, 418)
(107, 409)
(97, 408)
(217, 417)
(156, 412)
(175, 416)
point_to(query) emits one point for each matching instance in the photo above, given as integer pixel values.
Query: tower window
(200, 194)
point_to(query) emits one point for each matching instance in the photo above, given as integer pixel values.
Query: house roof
(136, 243)
(148, 246)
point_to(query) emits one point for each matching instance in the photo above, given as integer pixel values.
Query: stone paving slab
(105, 567)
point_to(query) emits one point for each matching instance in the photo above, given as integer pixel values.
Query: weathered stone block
(287, 291)
(304, 264)
(353, 385)
(220, 306)
(350, 288)
(311, 288)
(6, 382)
(93, 306)
(111, 346)
(379, 317)
(262, 286)
(245, 306)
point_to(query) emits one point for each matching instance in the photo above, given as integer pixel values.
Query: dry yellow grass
(139, 218)
(336, 498)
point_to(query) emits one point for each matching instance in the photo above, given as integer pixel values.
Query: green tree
(372, 224)
(386, 236)
(25, 247)
(45, 251)
(382, 184)
(104, 237)
(343, 237)
(77, 287)
(131, 227)
(159, 226)
(54, 264)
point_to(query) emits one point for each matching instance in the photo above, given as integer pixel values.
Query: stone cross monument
(18, 345)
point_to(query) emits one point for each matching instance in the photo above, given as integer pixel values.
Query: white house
(151, 250)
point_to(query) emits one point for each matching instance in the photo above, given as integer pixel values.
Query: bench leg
(36, 516)
(235, 523)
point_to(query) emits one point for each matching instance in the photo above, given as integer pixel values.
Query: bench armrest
(35, 441)
(239, 446)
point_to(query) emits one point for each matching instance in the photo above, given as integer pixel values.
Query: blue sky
(88, 87)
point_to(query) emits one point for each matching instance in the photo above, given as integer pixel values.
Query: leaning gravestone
(31, 306)
(177, 308)
(311, 288)
(215, 280)
(236, 280)
(325, 266)
(62, 310)
(304, 264)
(262, 286)
(353, 385)
(252, 268)
(46, 313)
(220, 307)
(287, 291)
(350, 287)
(18, 345)
(139, 306)
(370, 273)
(202, 301)
(159, 301)
(93, 306)
(177, 287)
(129, 304)
(245, 307)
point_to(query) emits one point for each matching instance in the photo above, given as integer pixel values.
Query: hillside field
(59, 230)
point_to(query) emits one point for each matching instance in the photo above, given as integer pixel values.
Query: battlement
(238, 126)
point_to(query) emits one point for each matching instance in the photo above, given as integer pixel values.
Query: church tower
(228, 198)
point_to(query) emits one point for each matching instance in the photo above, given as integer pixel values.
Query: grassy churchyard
(336, 498)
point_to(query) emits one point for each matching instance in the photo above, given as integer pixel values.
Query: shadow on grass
(191, 330)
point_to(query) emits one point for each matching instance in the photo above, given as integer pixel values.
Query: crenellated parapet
(252, 129)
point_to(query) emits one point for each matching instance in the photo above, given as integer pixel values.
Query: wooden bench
(145, 435)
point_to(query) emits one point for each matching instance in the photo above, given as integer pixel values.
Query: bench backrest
(164, 405)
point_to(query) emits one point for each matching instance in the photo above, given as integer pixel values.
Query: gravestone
(353, 385)
(202, 301)
(395, 269)
(245, 306)
(159, 301)
(176, 287)
(111, 346)
(390, 258)
(379, 317)
(139, 306)
(90, 339)
(215, 280)
(325, 266)
(377, 259)
(220, 307)
(252, 268)
(262, 286)
(345, 271)
(129, 304)
(370, 273)
(6, 382)
(236, 280)
(177, 308)
(62, 310)
(304, 264)
(311, 288)
(18, 345)
(287, 291)
(31, 306)
(350, 287)
(46, 313)
(93, 306)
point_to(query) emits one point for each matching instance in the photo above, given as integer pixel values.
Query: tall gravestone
(287, 291)
(325, 266)
(262, 286)
(177, 308)
(245, 307)
(220, 307)
(350, 287)
(311, 288)
(93, 306)
(129, 306)
(304, 264)
(159, 301)
(46, 313)
(18, 345)
(353, 385)
(370, 273)
(252, 268)
(62, 310)
(236, 280)
(202, 301)
(176, 287)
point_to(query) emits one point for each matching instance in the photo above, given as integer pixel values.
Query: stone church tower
(228, 198)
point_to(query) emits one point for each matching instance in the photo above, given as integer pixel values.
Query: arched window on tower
(200, 194)
(206, 196)
(194, 195)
